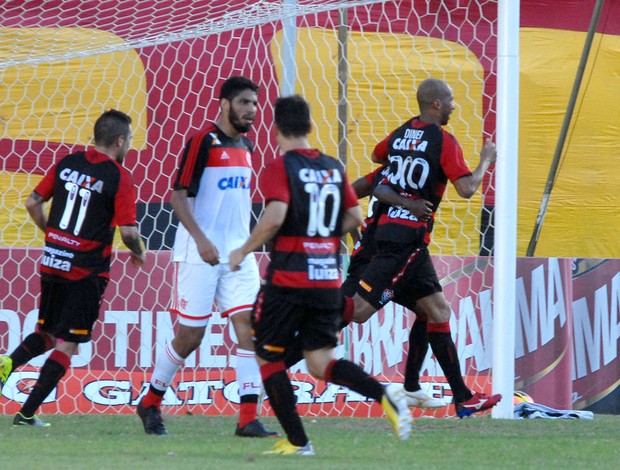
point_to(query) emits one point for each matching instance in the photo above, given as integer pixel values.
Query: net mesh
(358, 64)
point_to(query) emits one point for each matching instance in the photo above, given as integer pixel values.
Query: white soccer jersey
(217, 172)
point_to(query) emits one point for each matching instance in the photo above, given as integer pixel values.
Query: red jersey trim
(75, 274)
(300, 280)
(232, 311)
(307, 245)
(401, 273)
(225, 157)
(384, 219)
(177, 312)
(58, 237)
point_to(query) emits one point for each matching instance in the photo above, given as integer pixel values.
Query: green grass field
(199, 442)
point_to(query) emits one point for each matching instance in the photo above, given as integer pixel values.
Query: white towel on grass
(526, 410)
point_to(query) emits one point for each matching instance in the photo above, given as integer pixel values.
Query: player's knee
(316, 371)
(187, 340)
(318, 360)
(440, 314)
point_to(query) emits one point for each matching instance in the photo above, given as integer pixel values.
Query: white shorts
(197, 286)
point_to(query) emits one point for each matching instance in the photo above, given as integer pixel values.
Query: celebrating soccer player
(422, 157)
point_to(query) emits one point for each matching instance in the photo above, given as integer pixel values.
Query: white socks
(166, 368)
(248, 373)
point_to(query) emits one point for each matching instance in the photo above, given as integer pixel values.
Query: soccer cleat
(419, 399)
(394, 404)
(255, 429)
(152, 420)
(6, 367)
(34, 421)
(284, 447)
(478, 402)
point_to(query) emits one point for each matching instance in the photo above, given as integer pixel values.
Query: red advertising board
(566, 340)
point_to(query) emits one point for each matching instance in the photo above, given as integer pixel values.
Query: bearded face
(242, 111)
(124, 148)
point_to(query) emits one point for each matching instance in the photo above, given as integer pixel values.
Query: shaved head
(436, 101)
(432, 89)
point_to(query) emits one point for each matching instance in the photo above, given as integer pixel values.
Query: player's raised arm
(468, 185)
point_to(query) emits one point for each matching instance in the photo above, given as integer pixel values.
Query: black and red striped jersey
(305, 260)
(422, 158)
(91, 195)
(364, 248)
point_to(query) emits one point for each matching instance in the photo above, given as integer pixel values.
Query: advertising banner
(566, 332)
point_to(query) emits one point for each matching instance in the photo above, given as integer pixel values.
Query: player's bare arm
(34, 206)
(183, 212)
(266, 227)
(420, 208)
(468, 185)
(352, 219)
(362, 187)
(132, 240)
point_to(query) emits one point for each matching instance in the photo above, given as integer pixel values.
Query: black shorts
(398, 272)
(68, 310)
(278, 324)
(357, 266)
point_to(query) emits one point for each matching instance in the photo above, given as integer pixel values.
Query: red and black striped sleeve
(192, 162)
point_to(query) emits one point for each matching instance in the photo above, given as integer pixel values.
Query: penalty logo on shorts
(387, 296)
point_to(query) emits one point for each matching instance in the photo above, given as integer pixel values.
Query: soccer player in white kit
(212, 201)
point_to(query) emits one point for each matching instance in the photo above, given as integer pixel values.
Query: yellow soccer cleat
(33, 421)
(394, 403)
(6, 367)
(284, 447)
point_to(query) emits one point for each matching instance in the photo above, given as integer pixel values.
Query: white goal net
(162, 61)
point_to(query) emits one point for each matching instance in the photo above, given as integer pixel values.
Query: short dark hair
(292, 116)
(110, 125)
(236, 85)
